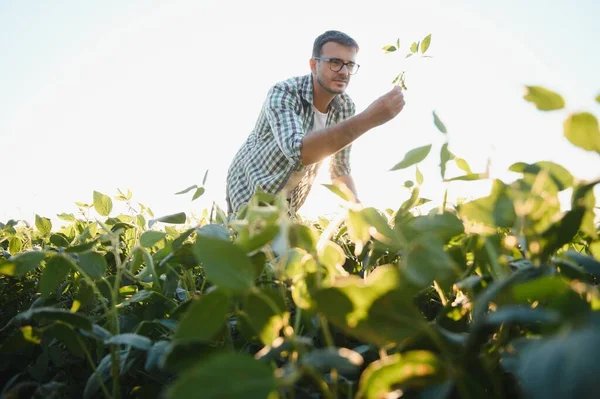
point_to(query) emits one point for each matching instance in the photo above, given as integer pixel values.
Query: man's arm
(322, 143)
(349, 182)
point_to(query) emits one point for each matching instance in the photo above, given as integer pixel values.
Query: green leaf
(544, 99)
(343, 193)
(410, 369)
(155, 356)
(398, 43)
(93, 264)
(469, 177)
(22, 263)
(59, 240)
(266, 314)
(57, 268)
(412, 157)
(419, 176)
(198, 193)
(564, 357)
(214, 231)
(15, 245)
(204, 178)
(378, 310)
(47, 315)
(176, 218)
(232, 376)
(259, 240)
(344, 360)
(558, 179)
(130, 339)
(425, 43)
(67, 217)
(463, 165)
(389, 49)
(497, 209)
(190, 188)
(205, 317)
(409, 184)
(439, 124)
(225, 264)
(102, 204)
(445, 157)
(425, 261)
(588, 263)
(414, 47)
(44, 225)
(151, 237)
(445, 226)
(581, 129)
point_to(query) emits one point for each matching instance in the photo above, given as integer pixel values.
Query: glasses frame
(344, 64)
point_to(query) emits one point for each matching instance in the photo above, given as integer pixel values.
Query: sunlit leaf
(389, 49)
(414, 47)
(414, 368)
(412, 157)
(44, 225)
(581, 129)
(463, 165)
(544, 99)
(102, 204)
(425, 43)
(419, 176)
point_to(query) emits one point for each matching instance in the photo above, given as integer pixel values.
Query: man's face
(333, 82)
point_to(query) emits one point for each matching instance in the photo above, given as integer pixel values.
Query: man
(304, 120)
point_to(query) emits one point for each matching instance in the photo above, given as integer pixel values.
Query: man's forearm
(320, 144)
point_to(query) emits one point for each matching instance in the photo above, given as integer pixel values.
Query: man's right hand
(386, 107)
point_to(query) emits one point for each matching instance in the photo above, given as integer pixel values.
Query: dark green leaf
(233, 376)
(425, 261)
(150, 237)
(22, 263)
(588, 263)
(82, 247)
(130, 339)
(59, 240)
(57, 268)
(176, 218)
(412, 157)
(65, 334)
(102, 204)
(581, 129)
(445, 157)
(389, 49)
(47, 315)
(93, 264)
(544, 99)
(205, 317)
(214, 231)
(257, 241)
(44, 225)
(522, 315)
(225, 264)
(266, 313)
(190, 188)
(344, 360)
(156, 355)
(439, 124)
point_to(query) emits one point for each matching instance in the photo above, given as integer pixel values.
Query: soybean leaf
(414, 47)
(93, 264)
(414, 368)
(44, 225)
(342, 359)
(130, 339)
(198, 193)
(22, 263)
(439, 124)
(412, 157)
(581, 129)
(102, 204)
(445, 157)
(205, 317)
(419, 176)
(57, 268)
(175, 218)
(47, 315)
(151, 237)
(425, 43)
(225, 264)
(190, 188)
(544, 99)
(231, 375)
(389, 49)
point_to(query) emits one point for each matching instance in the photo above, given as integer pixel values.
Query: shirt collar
(306, 92)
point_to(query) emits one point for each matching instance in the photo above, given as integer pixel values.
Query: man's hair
(332, 36)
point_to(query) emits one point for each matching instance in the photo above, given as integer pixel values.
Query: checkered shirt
(272, 151)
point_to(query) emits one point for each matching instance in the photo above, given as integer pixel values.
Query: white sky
(147, 95)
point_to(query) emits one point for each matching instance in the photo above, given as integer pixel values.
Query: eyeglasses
(336, 65)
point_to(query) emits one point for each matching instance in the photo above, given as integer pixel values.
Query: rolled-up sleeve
(283, 111)
(340, 163)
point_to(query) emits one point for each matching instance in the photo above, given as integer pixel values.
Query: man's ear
(313, 65)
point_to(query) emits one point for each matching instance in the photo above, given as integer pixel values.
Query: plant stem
(91, 361)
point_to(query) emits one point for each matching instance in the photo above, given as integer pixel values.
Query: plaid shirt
(272, 151)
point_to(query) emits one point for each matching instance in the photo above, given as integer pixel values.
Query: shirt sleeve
(340, 161)
(283, 110)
